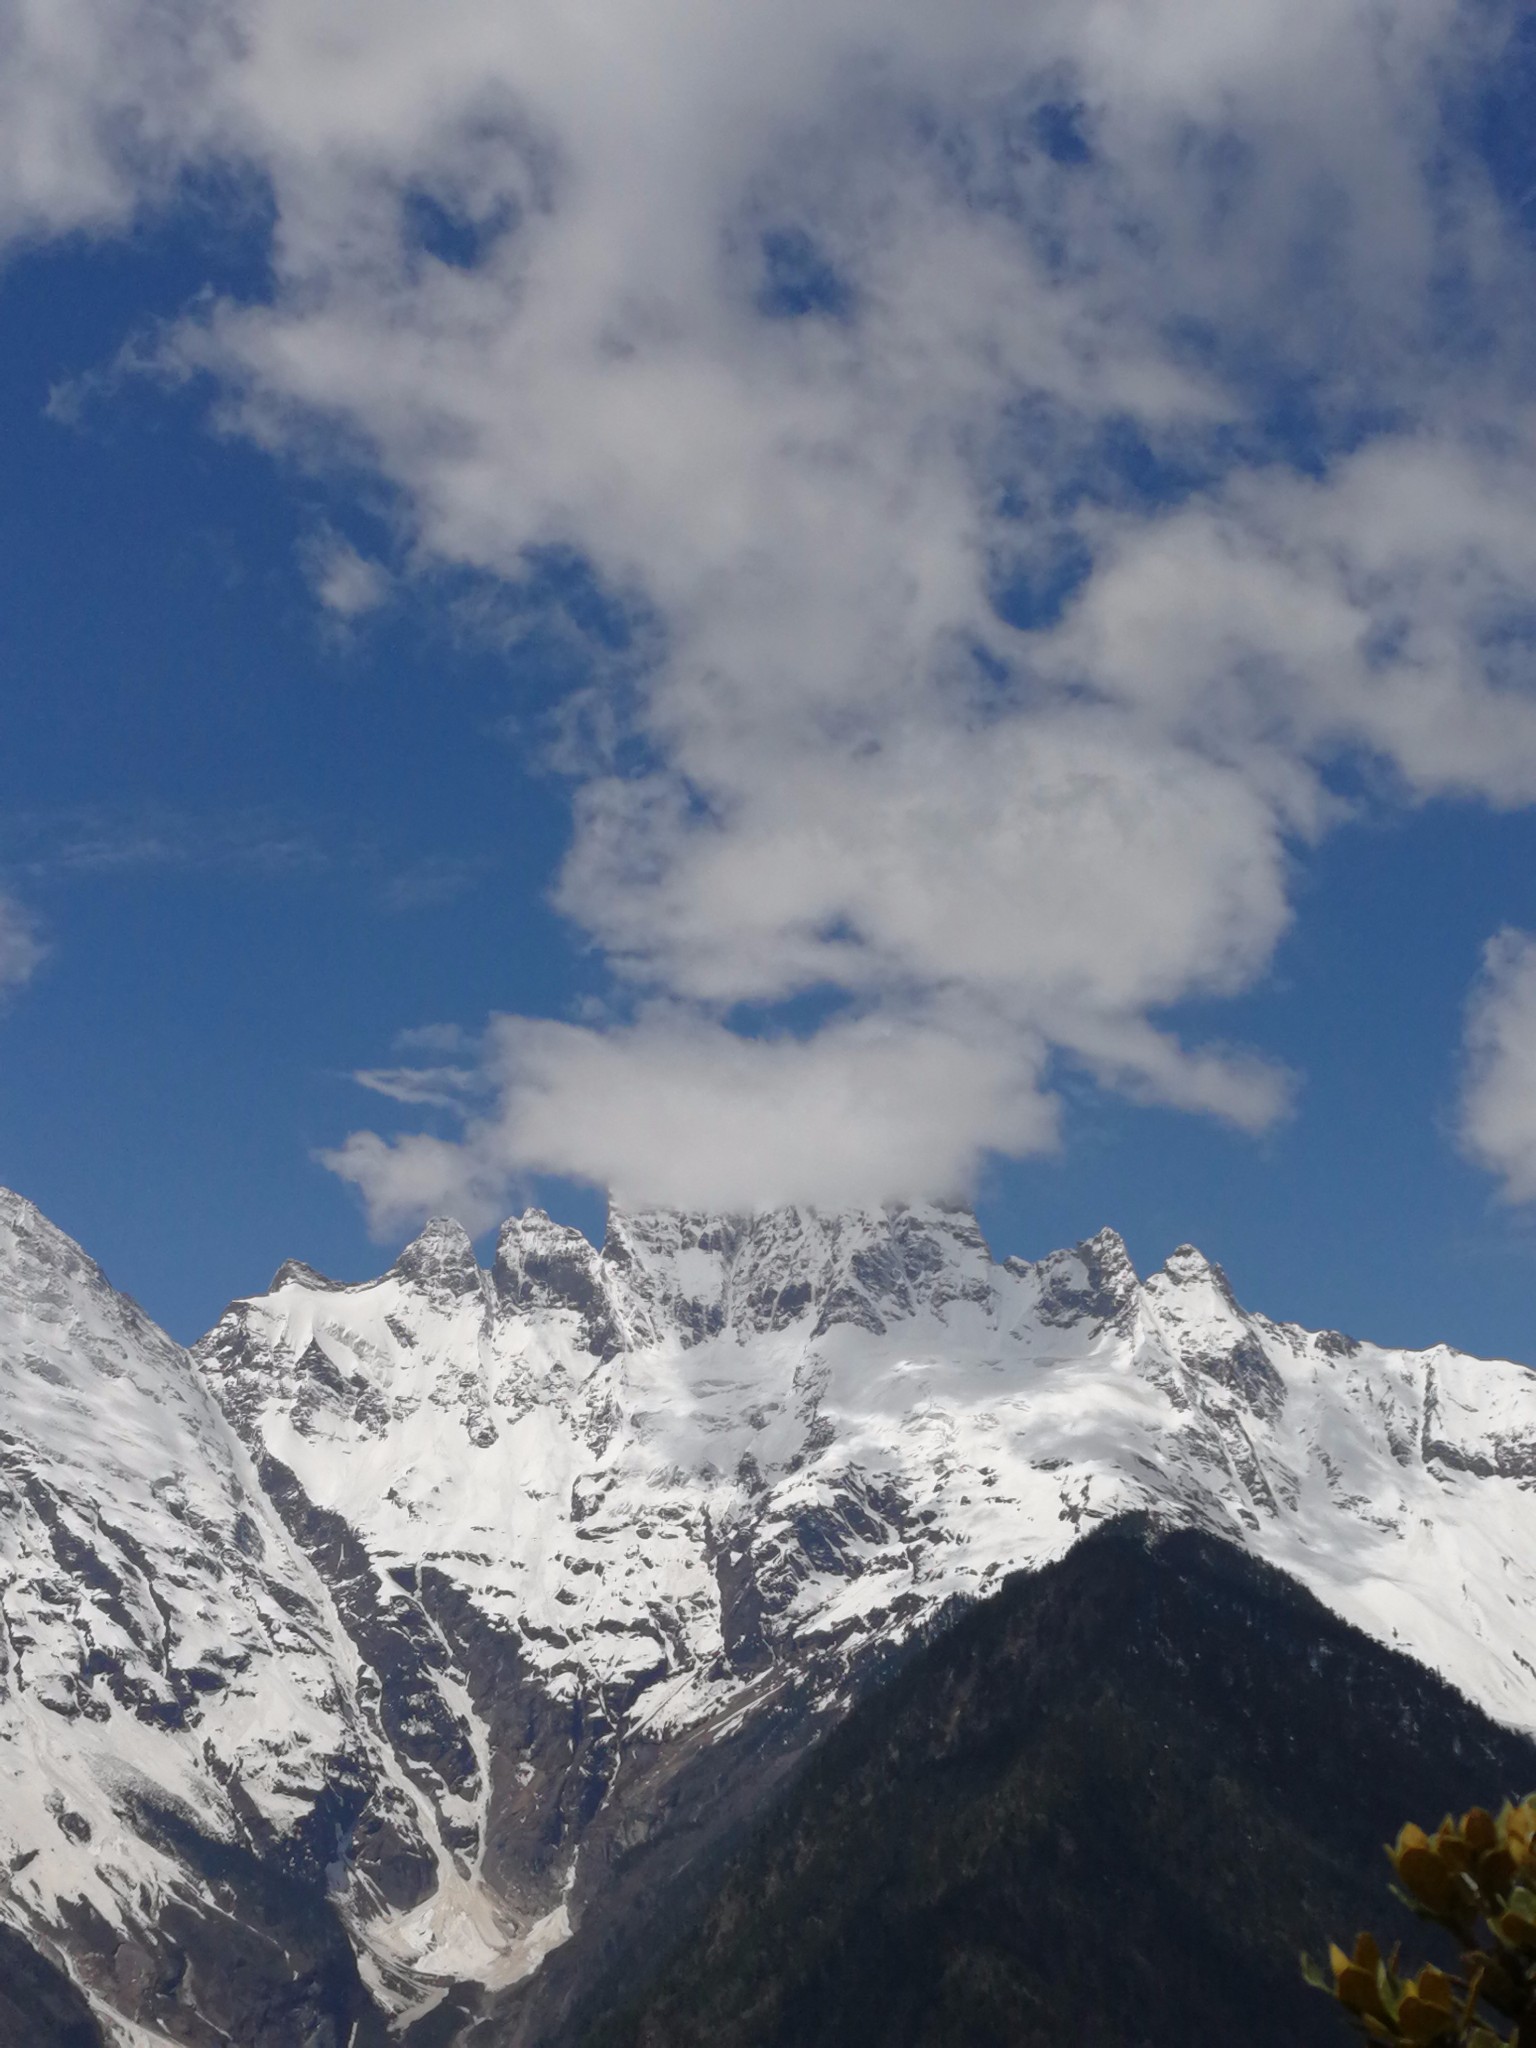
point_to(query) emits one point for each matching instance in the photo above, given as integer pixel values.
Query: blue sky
(430, 591)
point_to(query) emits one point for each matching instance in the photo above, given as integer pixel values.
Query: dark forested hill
(1107, 1809)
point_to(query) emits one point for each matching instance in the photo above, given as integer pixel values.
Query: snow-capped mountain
(513, 1589)
(171, 1674)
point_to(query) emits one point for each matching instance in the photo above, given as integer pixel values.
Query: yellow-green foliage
(1476, 1878)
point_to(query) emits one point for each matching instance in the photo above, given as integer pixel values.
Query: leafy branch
(1476, 1879)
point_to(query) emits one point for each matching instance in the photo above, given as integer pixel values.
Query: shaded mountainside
(1108, 1807)
(39, 2006)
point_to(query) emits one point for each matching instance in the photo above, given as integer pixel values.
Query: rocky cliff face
(487, 1601)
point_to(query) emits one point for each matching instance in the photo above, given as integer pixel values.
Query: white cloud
(21, 949)
(105, 105)
(1498, 1123)
(524, 266)
(1058, 863)
(345, 582)
(1385, 609)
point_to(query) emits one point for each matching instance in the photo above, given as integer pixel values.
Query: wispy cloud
(433, 881)
(443, 1039)
(59, 843)
(450, 1088)
(53, 848)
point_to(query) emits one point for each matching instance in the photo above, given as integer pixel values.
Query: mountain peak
(442, 1259)
(1188, 1267)
(536, 1233)
(541, 1264)
(1094, 1281)
(1108, 1244)
(29, 1231)
(44, 1272)
(295, 1273)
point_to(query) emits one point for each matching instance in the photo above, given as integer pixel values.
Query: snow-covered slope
(666, 1464)
(578, 1551)
(171, 1671)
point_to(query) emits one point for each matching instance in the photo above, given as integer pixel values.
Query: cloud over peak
(677, 1111)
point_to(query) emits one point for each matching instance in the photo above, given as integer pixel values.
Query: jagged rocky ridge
(476, 1604)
